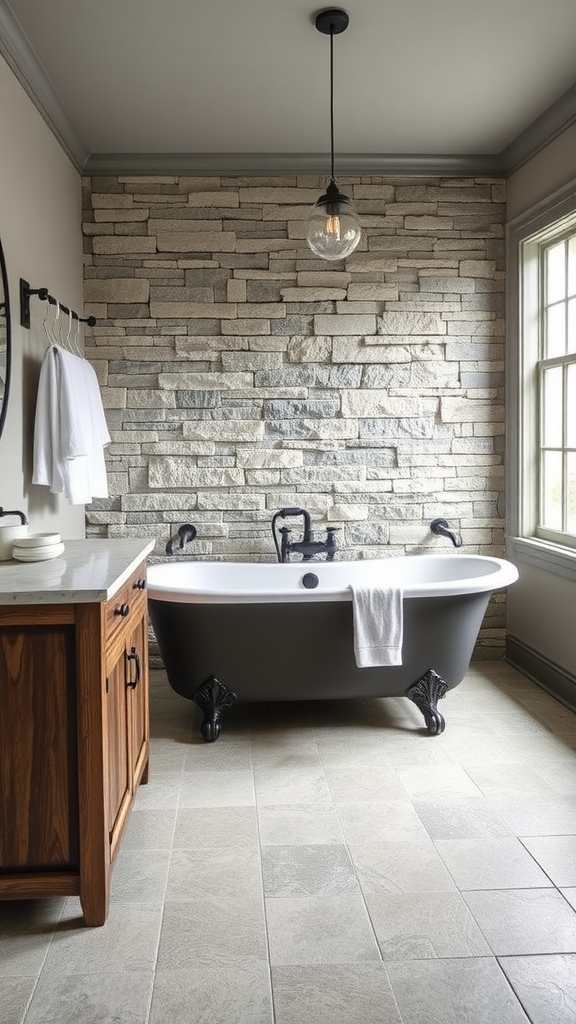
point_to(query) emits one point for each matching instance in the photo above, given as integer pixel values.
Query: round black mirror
(4, 340)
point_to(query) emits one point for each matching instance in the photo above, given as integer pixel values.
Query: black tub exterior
(305, 651)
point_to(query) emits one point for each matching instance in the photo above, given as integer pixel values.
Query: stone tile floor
(329, 863)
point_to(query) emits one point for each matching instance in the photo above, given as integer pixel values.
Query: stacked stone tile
(240, 373)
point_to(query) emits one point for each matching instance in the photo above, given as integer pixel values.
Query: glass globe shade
(333, 229)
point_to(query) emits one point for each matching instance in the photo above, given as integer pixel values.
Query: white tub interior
(253, 582)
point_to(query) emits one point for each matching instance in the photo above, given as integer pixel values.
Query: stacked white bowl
(38, 547)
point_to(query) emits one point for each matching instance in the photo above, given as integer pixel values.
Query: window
(541, 383)
(556, 377)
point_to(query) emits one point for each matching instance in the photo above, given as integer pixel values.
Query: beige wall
(40, 203)
(551, 169)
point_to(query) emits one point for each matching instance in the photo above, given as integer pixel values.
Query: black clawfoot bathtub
(232, 631)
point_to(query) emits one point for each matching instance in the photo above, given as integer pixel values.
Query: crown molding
(555, 120)
(263, 164)
(24, 63)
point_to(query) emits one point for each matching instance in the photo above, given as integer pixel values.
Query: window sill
(552, 557)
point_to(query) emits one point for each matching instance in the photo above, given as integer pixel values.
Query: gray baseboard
(546, 673)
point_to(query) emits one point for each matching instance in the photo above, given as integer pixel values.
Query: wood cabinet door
(119, 792)
(137, 684)
(38, 749)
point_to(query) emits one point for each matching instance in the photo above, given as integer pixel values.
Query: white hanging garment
(70, 430)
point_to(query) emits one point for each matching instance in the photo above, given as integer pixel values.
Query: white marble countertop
(87, 571)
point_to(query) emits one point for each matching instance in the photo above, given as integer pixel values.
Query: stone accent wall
(240, 373)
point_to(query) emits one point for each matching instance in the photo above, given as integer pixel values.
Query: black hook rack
(26, 291)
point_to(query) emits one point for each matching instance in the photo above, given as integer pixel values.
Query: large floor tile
(225, 788)
(545, 985)
(205, 827)
(322, 870)
(517, 922)
(161, 793)
(166, 755)
(319, 930)
(230, 753)
(15, 995)
(460, 819)
(443, 781)
(535, 815)
(500, 863)
(357, 785)
(425, 925)
(400, 867)
(471, 991)
(559, 775)
(26, 931)
(556, 855)
(287, 752)
(149, 830)
(219, 872)
(217, 993)
(206, 932)
(87, 998)
(387, 821)
(293, 786)
(509, 780)
(139, 876)
(356, 994)
(298, 825)
(127, 943)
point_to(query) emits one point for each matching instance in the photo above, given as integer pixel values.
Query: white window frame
(526, 236)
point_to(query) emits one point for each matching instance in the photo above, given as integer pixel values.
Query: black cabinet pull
(134, 656)
(139, 585)
(122, 609)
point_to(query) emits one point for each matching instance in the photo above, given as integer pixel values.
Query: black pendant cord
(331, 103)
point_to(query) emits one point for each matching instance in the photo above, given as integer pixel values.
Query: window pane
(555, 340)
(571, 462)
(552, 490)
(552, 407)
(555, 273)
(572, 265)
(571, 326)
(571, 406)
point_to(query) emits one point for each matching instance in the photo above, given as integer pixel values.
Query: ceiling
(242, 86)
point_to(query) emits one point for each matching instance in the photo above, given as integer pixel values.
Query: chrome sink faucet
(306, 546)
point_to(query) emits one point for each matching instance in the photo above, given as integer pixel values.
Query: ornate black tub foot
(425, 693)
(212, 697)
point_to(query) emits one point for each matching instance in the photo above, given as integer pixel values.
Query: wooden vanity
(74, 735)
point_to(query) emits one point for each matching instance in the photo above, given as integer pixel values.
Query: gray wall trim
(555, 120)
(550, 676)
(233, 164)
(22, 60)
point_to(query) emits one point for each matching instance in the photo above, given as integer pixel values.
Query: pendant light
(333, 229)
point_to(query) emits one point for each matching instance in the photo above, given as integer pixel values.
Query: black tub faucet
(306, 546)
(185, 534)
(441, 528)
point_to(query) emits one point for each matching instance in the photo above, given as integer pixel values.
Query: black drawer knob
(122, 609)
(139, 585)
